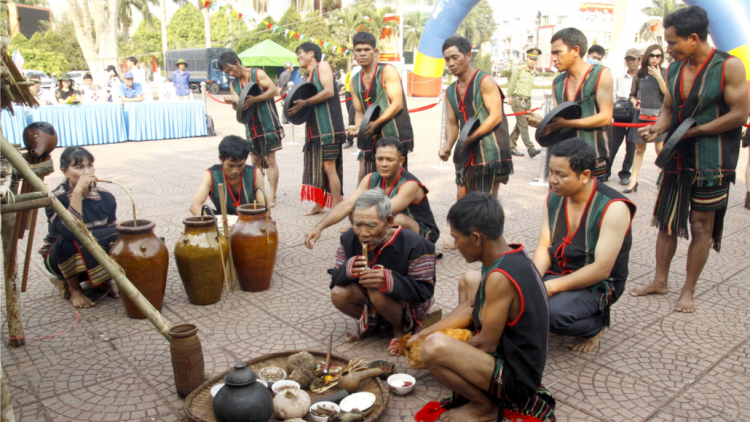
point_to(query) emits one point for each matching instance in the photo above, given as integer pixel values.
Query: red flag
(270, 25)
(296, 36)
(239, 16)
(153, 63)
(205, 5)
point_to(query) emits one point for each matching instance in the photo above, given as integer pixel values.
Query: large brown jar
(187, 358)
(145, 259)
(201, 259)
(254, 243)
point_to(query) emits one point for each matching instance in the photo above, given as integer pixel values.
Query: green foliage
(125, 13)
(483, 62)
(479, 25)
(63, 40)
(662, 8)
(145, 42)
(414, 24)
(18, 41)
(45, 61)
(186, 28)
(506, 73)
(220, 27)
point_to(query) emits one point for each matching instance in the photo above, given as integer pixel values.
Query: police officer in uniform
(519, 90)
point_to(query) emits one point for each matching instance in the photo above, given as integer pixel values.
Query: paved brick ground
(653, 365)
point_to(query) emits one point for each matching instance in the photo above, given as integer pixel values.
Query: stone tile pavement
(654, 364)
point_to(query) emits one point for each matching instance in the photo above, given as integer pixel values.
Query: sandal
(62, 287)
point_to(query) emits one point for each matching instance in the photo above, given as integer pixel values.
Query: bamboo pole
(84, 236)
(12, 293)
(33, 204)
(223, 201)
(6, 405)
(26, 197)
(29, 248)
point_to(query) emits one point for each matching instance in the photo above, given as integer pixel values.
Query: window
(561, 19)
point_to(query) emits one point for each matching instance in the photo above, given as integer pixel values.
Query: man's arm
(541, 257)
(201, 194)
(533, 119)
(451, 131)
(411, 288)
(513, 80)
(268, 86)
(395, 94)
(493, 102)
(499, 296)
(338, 213)
(460, 317)
(359, 114)
(405, 196)
(736, 97)
(615, 225)
(234, 99)
(259, 183)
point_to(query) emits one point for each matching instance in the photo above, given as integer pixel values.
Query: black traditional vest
(246, 196)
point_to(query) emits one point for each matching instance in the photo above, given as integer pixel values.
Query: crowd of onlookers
(131, 87)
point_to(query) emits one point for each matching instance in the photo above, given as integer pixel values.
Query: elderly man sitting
(392, 282)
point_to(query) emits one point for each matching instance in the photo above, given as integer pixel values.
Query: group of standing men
(384, 270)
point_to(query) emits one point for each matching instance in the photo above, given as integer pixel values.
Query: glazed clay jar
(255, 241)
(242, 399)
(200, 256)
(145, 259)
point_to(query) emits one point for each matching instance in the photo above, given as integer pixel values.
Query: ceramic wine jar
(254, 244)
(241, 399)
(145, 259)
(201, 258)
(187, 358)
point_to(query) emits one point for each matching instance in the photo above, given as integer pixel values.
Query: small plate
(215, 389)
(362, 401)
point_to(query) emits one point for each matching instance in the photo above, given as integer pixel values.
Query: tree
(126, 12)
(38, 59)
(661, 8)
(96, 31)
(63, 40)
(414, 24)
(184, 29)
(220, 26)
(479, 25)
(146, 40)
(344, 24)
(206, 19)
(376, 21)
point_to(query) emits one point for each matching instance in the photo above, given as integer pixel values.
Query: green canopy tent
(269, 56)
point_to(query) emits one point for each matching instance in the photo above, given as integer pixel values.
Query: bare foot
(685, 303)
(351, 336)
(80, 300)
(62, 287)
(271, 201)
(317, 209)
(470, 412)
(114, 291)
(652, 288)
(581, 344)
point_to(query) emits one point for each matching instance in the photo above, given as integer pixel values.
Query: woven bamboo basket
(199, 404)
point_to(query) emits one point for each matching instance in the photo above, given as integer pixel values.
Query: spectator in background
(138, 75)
(130, 91)
(284, 79)
(181, 81)
(623, 84)
(647, 94)
(596, 54)
(519, 90)
(42, 97)
(66, 91)
(113, 84)
(88, 84)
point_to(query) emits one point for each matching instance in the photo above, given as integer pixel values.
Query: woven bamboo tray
(199, 404)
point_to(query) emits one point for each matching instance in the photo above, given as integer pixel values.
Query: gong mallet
(223, 201)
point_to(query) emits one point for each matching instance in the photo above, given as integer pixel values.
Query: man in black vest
(239, 179)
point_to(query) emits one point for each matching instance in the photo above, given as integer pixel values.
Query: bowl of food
(272, 374)
(215, 389)
(401, 384)
(324, 411)
(387, 367)
(280, 386)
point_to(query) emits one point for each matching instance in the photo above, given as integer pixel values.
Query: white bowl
(260, 374)
(362, 401)
(396, 383)
(278, 384)
(215, 389)
(327, 404)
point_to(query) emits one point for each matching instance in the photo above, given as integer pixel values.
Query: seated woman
(64, 256)
(393, 282)
(498, 373)
(65, 89)
(239, 179)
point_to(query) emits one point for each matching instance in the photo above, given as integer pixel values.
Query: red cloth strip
(343, 101)
(429, 413)
(523, 112)
(282, 97)
(617, 124)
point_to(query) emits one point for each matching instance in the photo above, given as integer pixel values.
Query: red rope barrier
(282, 97)
(218, 101)
(343, 101)
(523, 112)
(423, 108)
(78, 314)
